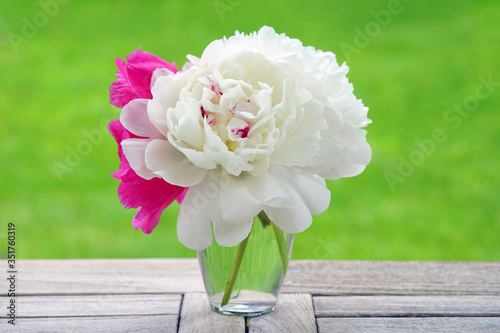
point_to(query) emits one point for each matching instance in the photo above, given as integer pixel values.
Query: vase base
(242, 311)
(246, 304)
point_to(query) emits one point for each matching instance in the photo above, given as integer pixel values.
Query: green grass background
(428, 58)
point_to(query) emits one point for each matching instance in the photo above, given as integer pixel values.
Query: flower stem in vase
(234, 272)
(279, 239)
(264, 219)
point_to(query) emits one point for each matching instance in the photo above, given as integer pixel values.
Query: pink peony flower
(153, 195)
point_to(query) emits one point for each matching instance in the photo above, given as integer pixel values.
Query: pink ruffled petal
(134, 77)
(120, 92)
(152, 196)
(146, 220)
(141, 66)
(124, 172)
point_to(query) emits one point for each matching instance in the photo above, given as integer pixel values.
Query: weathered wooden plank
(401, 325)
(393, 277)
(317, 277)
(197, 316)
(106, 276)
(393, 306)
(146, 324)
(97, 305)
(294, 313)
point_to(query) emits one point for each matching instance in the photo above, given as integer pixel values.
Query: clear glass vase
(259, 278)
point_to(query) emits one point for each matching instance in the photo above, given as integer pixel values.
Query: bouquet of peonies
(256, 124)
(251, 128)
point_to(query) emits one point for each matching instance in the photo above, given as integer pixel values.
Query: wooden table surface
(167, 295)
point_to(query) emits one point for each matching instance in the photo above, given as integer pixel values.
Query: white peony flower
(256, 124)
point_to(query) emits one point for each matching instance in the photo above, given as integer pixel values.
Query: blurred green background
(414, 63)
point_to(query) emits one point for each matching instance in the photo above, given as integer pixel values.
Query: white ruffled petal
(310, 188)
(165, 95)
(297, 150)
(172, 165)
(267, 190)
(304, 136)
(226, 233)
(354, 162)
(134, 118)
(236, 201)
(193, 223)
(134, 150)
(291, 220)
(159, 72)
(230, 233)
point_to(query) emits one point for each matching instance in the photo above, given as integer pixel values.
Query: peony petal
(330, 153)
(313, 191)
(193, 222)
(181, 196)
(236, 201)
(159, 72)
(187, 127)
(291, 220)
(212, 52)
(267, 190)
(303, 138)
(135, 78)
(118, 131)
(141, 66)
(172, 165)
(362, 155)
(297, 150)
(198, 158)
(354, 162)
(120, 92)
(152, 196)
(345, 168)
(125, 172)
(312, 118)
(134, 118)
(231, 234)
(147, 220)
(351, 137)
(135, 150)
(297, 218)
(166, 92)
(353, 159)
